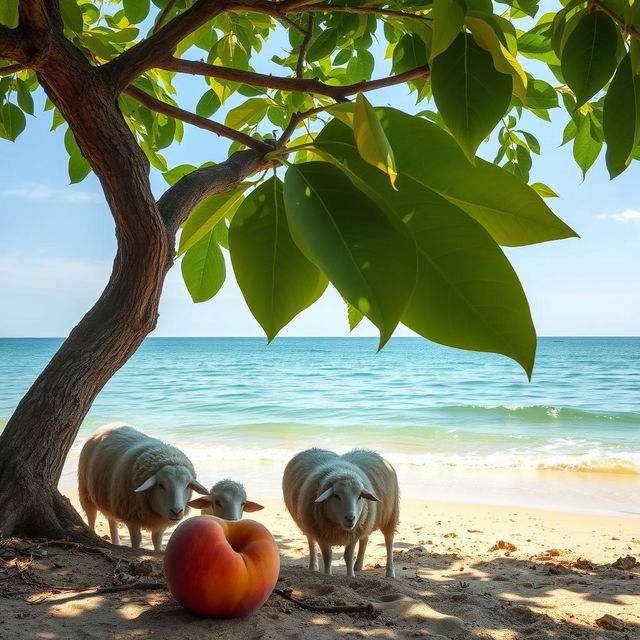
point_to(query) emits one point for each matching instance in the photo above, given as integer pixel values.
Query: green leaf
(621, 123)
(9, 13)
(25, 100)
(366, 254)
(585, 148)
(469, 92)
(207, 214)
(466, 294)
(208, 104)
(136, 10)
(512, 212)
(354, 316)
(78, 167)
(371, 139)
(13, 121)
(448, 21)
(173, 175)
(589, 55)
(541, 95)
(72, 15)
(544, 190)
(276, 279)
(250, 112)
(409, 53)
(323, 45)
(203, 268)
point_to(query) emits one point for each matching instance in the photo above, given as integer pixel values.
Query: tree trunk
(38, 436)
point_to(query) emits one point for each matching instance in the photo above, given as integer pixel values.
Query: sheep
(339, 500)
(134, 478)
(227, 500)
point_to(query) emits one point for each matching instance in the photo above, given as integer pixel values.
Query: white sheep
(339, 500)
(136, 479)
(227, 500)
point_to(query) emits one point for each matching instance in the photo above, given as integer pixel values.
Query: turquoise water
(419, 403)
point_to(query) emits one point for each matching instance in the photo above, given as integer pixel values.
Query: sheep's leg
(113, 532)
(91, 512)
(135, 535)
(349, 557)
(362, 547)
(325, 549)
(156, 537)
(388, 541)
(313, 554)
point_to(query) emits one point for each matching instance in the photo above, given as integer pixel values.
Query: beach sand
(557, 583)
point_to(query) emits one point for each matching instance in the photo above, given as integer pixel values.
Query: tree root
(356, 608)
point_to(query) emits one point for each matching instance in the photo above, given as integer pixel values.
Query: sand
(557, 583)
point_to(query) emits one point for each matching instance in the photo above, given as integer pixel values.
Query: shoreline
(588, 493)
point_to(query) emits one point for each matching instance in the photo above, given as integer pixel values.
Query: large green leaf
(136, 10)
(207, 214)
(203, 268)
(365, 252)
(470, 93)
(371, 139)
(621, 123)
(448, 20)
(589, 55)
(586, 147)
(467, 295)
(12, 121)
(276, 279)
(511, 211)
(409, 53)
(9, 13)
(323, 45)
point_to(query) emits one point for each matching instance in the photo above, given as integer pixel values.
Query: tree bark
(38, 436)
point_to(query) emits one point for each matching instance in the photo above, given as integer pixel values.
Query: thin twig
(303, 48)
(304, 85)
(357, 608)
(191, 118)
(163, 16)
(80, 592)
(616, 18)
(13, 68)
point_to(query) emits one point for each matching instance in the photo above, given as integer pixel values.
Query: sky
(57, 242)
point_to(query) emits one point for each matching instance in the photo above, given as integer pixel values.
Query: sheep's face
(228, 500)
(344, 501)
(169, 490)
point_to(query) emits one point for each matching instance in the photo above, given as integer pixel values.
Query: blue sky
(58, 243)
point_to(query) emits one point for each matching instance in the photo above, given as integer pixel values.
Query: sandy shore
(560, 579)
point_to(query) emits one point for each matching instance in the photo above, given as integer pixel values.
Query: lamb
(227, 499)
(339, 500)
(137, 479)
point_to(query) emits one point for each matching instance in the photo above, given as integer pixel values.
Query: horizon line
(349, 337)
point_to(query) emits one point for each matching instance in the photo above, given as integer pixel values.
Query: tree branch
(13, 68)
(179, 200)
(306, 85)
(14, 46)
(616, 18)
(146, 54)
(204, 123)
(277, 9)
(303, 48)
(163, 16)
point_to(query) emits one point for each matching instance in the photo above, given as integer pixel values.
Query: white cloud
(37, 191)
(628, 216)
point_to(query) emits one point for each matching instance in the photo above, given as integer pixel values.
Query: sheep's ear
(200, 503)
(369, 496)
(251, 506)
(147, 484)
(198, 488)
(325, 494)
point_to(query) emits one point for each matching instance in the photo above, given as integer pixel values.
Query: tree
(395, 210)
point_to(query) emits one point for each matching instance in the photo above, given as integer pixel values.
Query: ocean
(459, 425)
